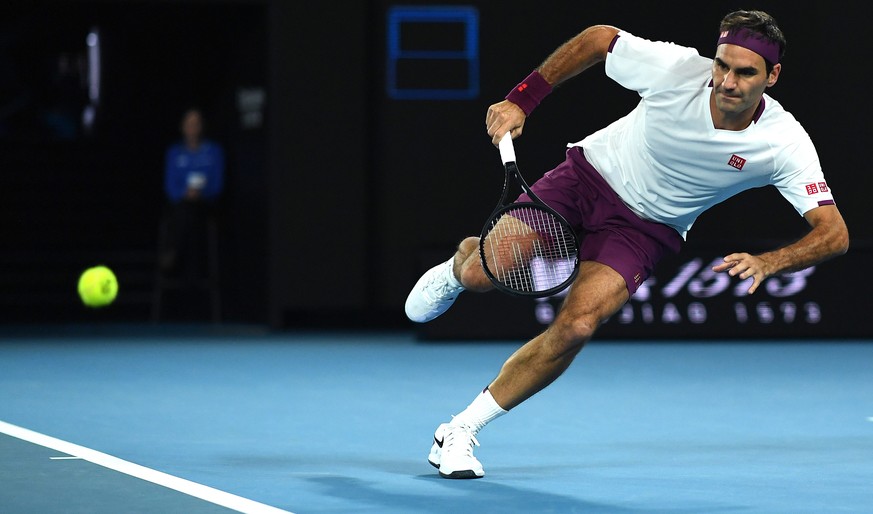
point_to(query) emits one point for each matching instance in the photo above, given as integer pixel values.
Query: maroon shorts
(609, 232)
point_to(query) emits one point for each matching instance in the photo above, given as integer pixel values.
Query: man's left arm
(215, 180)
(828, 238)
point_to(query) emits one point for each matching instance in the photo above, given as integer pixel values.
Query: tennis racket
(526, 248)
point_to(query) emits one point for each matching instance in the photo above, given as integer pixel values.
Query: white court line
(201, 491)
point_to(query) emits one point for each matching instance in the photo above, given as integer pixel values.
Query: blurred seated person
(193, 183)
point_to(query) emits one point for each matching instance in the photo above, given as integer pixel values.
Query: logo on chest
(737, 162)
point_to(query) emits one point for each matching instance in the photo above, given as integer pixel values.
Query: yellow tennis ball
(98, 286)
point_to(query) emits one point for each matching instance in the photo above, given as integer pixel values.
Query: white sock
(482, 411)
(452, 280)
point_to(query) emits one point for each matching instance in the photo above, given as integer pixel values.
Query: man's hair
(758, 22)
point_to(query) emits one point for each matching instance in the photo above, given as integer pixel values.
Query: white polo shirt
(668, 163)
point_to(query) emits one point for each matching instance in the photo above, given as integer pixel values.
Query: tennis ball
(98, 286)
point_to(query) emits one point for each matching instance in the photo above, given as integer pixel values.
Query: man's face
(192, 126)
(739, 78)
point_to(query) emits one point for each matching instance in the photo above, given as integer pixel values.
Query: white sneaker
(452, 452)
(433, 294)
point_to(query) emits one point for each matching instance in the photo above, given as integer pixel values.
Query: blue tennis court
(235, 419)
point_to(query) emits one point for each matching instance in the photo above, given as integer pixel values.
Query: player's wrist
(530, 92)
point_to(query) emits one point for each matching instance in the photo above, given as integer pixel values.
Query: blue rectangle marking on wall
(415, 36)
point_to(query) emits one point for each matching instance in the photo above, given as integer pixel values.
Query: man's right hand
(504, 117)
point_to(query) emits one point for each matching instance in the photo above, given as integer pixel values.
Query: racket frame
(507, 154)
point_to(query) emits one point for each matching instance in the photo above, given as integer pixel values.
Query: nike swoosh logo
(438, 442)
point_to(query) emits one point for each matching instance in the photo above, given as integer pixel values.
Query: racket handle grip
(507, 150)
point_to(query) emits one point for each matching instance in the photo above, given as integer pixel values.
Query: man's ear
(774, 75)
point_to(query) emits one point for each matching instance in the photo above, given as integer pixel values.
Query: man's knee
(598, 293)
(572, 332)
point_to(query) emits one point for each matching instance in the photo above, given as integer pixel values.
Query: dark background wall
(74, 197)
(343, 194)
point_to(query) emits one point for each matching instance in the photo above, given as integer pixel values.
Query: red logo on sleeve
(823, 187)
(811, 189)
(737, 162)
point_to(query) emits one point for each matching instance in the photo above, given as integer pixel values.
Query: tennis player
(703, 131)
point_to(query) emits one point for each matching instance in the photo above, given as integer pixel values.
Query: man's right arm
(578, 54)
(584, 50)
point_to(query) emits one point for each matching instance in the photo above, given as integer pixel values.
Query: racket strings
(528, 249)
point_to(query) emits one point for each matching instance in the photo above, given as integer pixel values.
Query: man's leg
(597, 293)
